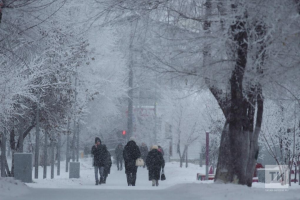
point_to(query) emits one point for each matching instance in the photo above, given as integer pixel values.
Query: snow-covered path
(181, 184)
(178, 192)
(117, 179)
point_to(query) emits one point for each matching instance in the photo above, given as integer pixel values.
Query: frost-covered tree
(243, 51)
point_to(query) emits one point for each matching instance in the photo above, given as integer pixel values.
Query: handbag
(139, 162)
(163, 176)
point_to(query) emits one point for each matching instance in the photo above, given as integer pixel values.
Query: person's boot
(97, 183)
(101, 181)
(133, 179)
(153, 182)
(156, 183)
(128, 179)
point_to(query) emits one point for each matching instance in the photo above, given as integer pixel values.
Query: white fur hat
(132, 139)
(154, 147)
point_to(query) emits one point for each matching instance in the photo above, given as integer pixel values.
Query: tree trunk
(45, 155)
(295, 178)
(58, 154)
(52, 157)
(181, 161)
(183, 155)
(239, 141)
(186, 158)
(3, 152)
(68, 146)
(77, 142)
(21, 138)
(235, 138)
(37, 144)
(73, 142)
(254, 149)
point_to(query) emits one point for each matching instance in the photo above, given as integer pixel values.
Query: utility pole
(37, 139)
(130, 84)
(155, 112)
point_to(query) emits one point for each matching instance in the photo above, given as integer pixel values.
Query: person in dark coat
(160, 149)
(100, 155)
(119, 156)
(155, 162)
(107, 164)
(144, 152)
(131, 153)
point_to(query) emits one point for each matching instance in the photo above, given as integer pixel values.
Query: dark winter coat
(100, 155)
(144, 151)
(107, 164)
(155, 162)
(119, 152)
(131, 153)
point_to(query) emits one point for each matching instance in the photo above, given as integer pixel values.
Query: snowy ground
(10, 187)
(181, 184)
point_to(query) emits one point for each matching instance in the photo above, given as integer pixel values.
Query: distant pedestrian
(155, 162)
(144, 152)
(100, 155)
(119, 156)
(107, 164)
(131, 153)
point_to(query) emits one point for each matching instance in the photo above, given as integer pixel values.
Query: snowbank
(9, 187)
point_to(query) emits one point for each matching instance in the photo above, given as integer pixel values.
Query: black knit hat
(97, 139)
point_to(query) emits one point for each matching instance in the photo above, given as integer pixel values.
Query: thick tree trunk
(254, 149)
(235, 138)
(239, 142)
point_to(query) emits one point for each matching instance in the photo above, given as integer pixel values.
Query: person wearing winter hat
(154, 162)
(131, 153)
(99, 154)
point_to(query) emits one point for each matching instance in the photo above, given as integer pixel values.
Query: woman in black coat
(154, 162)
(131, 153)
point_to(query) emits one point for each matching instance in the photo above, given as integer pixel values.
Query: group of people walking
(131, 154)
